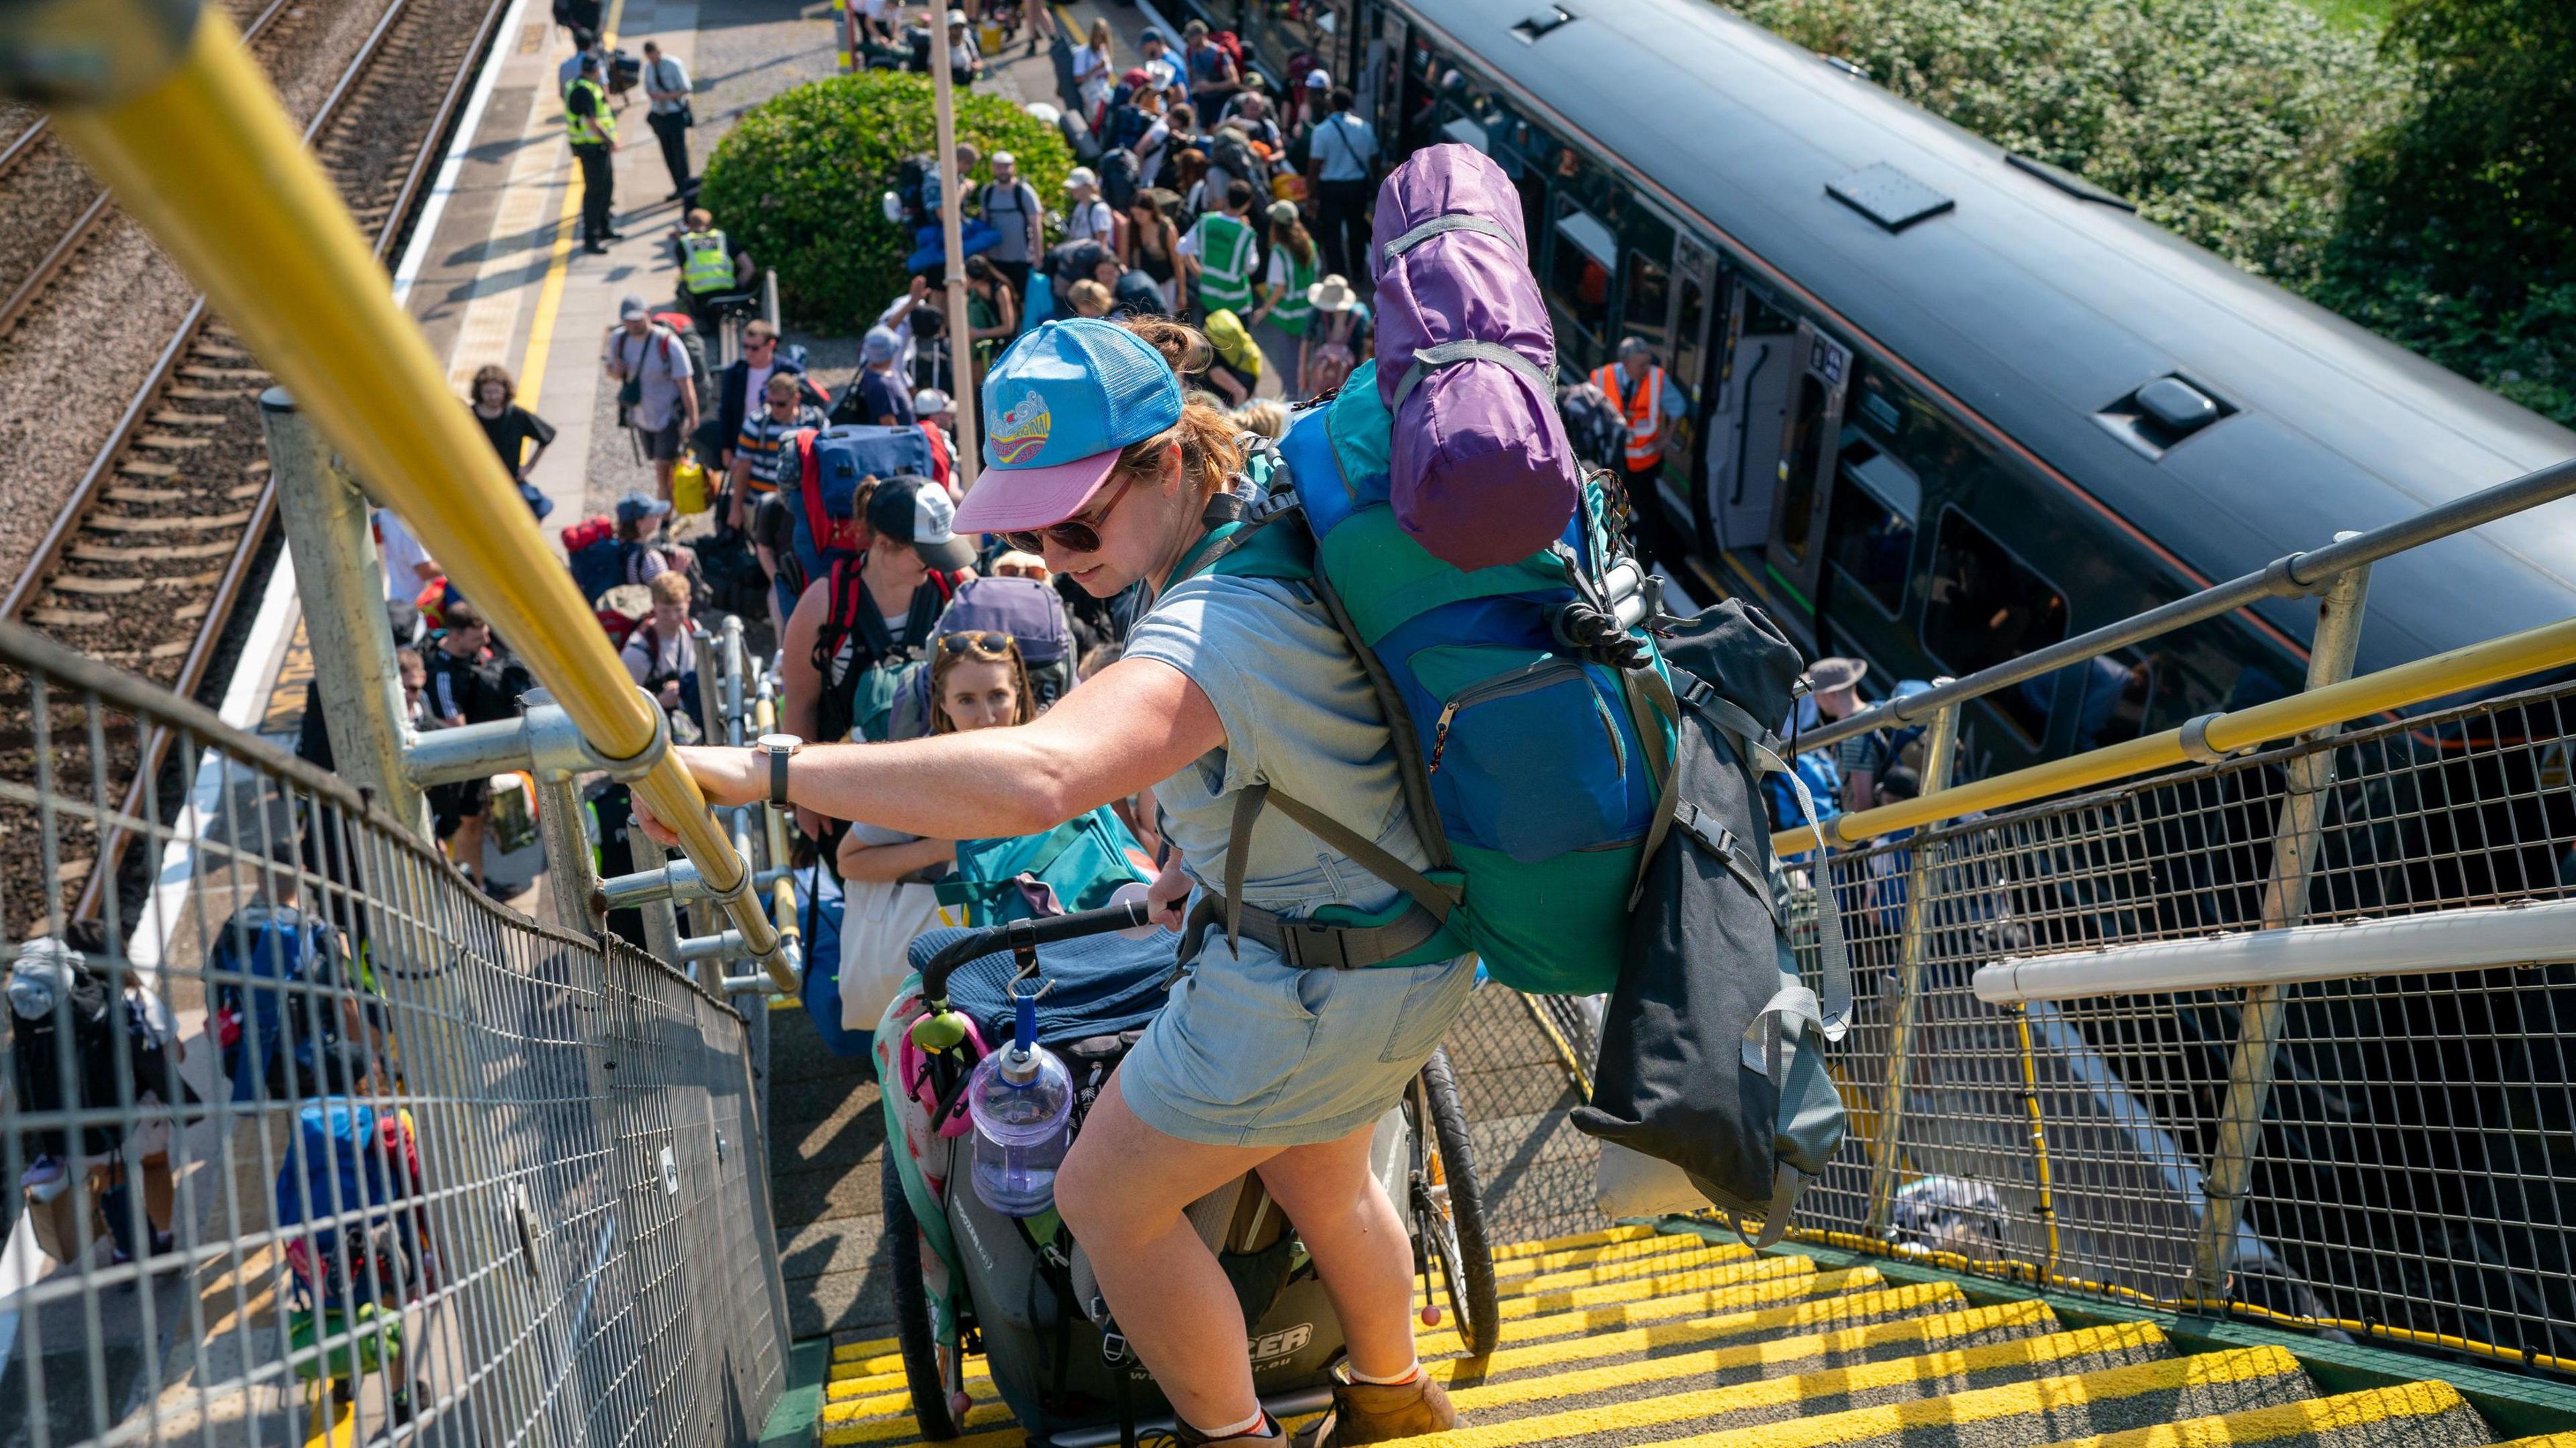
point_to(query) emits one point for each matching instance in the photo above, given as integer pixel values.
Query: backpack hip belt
(1310, 944)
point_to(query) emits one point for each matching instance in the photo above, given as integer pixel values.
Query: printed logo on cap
(932, 515)
(1022, 432)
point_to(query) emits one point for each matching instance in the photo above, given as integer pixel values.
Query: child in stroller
(1023, 1289)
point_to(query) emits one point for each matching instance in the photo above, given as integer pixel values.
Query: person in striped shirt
(762, 450)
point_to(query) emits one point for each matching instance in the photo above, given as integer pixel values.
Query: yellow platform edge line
(2290, 1420)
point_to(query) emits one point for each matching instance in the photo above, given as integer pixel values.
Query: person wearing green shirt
(1224, 245)
(1292, 270)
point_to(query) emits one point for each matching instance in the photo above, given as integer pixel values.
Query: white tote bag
(879, 919)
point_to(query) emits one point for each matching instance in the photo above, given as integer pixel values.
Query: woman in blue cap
(1226, 686)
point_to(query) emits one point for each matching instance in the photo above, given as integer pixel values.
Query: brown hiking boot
(1371, 1413)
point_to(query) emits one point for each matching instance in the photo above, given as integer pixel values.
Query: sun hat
(636, 507)
(1282, 212)
(1824, 676)
(1080, 176)
(1319, 79)
(929, 400)
(632, 306)
(1062, 402)
(915, 510)
(879, 345)
(1333, 294)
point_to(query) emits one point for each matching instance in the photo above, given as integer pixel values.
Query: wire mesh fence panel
(309, 1134)
(2413, 1177)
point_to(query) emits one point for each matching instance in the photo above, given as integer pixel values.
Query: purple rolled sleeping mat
(1481, 473)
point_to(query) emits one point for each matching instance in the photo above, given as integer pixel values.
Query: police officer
(593, 133)
(709, 266)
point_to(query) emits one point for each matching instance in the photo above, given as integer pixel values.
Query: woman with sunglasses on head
(1226, 686)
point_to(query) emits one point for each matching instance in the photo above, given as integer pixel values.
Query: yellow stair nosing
(1854, 1425)
(1619, 1269)
(872, 1347)
(2544, 1440)
(892, 1396)
(1670, 1244)
(1632, 1233)
(1632, 1289)
(1780, 1392)
(1010, 1437)
(2288, 1420)
(1928, 1330)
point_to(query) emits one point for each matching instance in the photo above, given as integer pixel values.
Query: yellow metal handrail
(2455, 671)
(208, 162)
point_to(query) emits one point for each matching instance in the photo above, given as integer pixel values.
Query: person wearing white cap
(1086, 216)
(1012, 207)
(965, 58)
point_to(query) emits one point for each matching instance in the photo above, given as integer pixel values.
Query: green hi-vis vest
(710, 267)
(1225, 264)
(595, 129)
(1292, 309)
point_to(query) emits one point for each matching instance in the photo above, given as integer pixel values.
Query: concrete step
(2410, 1415)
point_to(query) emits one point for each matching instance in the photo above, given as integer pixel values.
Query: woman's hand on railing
(725, 775)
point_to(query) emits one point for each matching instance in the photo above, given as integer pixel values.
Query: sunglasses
(981, 641)
(1074, 535)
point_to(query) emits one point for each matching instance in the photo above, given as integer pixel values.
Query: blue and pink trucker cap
(1057, 408)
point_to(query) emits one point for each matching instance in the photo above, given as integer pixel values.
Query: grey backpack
(1712, 1048)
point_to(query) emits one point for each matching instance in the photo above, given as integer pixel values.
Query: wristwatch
(779, 747)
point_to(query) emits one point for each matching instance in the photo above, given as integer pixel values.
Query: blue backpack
(1823, 775)
(831, 463)
(353, 1259)
(280, 1036)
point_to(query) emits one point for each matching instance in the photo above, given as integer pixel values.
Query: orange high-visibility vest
(1643, 415)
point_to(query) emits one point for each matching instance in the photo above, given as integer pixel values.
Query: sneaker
(592, 248)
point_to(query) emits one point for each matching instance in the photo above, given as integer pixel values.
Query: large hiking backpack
(286, 1037)
(597, 561)
(1118, 173)
(38, 1048)
(702, 380)
(1712, 1047)
(1077, 865)
(863, 703)
(352, 1254)
(831, 463)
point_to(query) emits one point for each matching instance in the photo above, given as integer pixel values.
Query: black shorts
(451, 805)
(661, 444)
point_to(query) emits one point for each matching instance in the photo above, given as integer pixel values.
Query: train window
(1871, 540)
(1690, 331)
(1648, 293)
(1986, 607)
(1798, 470)
(1579, 274)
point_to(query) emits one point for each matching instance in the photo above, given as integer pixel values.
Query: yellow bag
(991, 38)
(689, 487)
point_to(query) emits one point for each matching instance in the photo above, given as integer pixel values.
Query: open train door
(1793, 549)
(1748, 414)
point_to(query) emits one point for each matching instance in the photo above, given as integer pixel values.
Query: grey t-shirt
(1299, 716)
(663, 363)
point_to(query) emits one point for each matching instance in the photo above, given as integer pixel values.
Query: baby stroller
(1022, 1292)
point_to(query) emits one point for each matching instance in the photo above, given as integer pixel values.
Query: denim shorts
(1257, 1052)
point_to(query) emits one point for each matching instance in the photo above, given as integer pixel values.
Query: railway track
(159, 539)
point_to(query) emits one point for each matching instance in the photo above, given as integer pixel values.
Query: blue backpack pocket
(1497, 714)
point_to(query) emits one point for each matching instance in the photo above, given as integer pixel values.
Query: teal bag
(1077, 865)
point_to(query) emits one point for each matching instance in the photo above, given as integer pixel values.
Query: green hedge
(797, 182)
(2227, 121)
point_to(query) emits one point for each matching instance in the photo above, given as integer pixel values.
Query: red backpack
(943, 466)
(1232, 45)
(831, 535)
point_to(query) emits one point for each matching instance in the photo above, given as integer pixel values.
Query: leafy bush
(797, 182)
(2227, 121)
(2460, 236)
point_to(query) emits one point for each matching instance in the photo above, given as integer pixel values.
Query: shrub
(2227, 121)
(797, 183)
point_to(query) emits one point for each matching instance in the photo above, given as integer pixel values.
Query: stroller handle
(1019, 935)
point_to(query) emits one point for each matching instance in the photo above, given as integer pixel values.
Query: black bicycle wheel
(912, 1311)
(1455, 1204)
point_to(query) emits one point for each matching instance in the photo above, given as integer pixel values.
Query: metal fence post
(342, 586)
(2295, 839)
(1940, 747)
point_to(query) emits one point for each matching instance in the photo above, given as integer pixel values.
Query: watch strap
(777, 775)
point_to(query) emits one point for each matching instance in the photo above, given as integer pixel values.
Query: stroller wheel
(937, 1414)
(1449, 1205)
